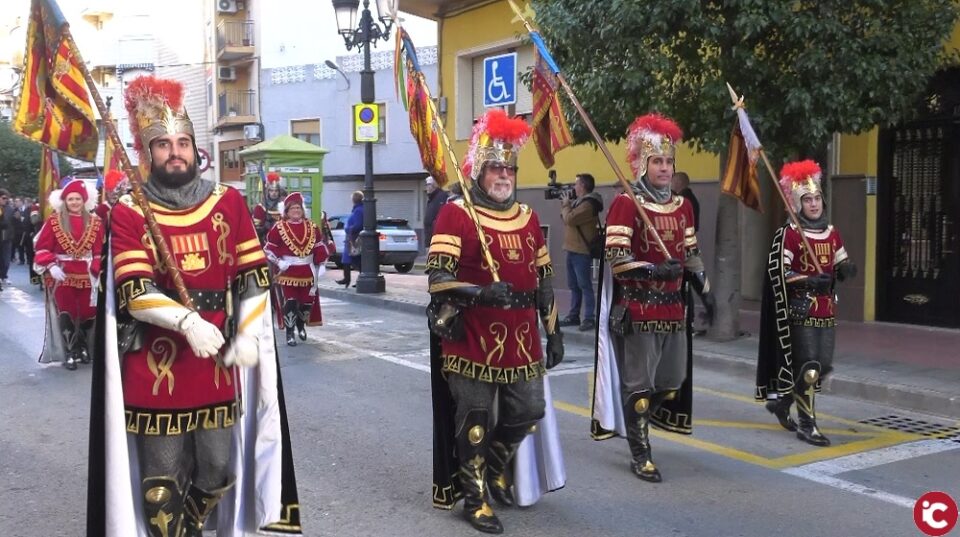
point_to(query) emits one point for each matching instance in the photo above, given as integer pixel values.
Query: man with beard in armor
(182, 372)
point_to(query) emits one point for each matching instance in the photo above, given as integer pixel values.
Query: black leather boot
(83, 338)
(302, 318)
(162, 506)
(69, 332)
(345, 281)
(781, 409)
(806, 411)
(636, 413)
(473, 440)
(198, 505)
(290, 316)
(506, 440)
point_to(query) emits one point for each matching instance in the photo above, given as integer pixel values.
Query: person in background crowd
(436, 197)
(581, 218)
(680, 184)
(8, 228)
(350, 257)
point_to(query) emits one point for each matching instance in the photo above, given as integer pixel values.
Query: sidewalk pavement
(903, 366)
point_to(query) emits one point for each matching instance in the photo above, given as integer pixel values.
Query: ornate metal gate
(918, 209)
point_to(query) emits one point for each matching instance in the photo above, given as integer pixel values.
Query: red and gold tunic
(301, 244)
(655, 305)
(77, 252)
(265, 219)
(212, 244)
(798, 265)
(501, 345)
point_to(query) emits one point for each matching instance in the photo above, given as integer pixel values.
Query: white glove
(244, 351)
(282, 265)
(57, 273)
(204, 338)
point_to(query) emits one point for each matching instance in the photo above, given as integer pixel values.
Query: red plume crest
(147, 96)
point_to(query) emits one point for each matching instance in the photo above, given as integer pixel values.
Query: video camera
(555, 190)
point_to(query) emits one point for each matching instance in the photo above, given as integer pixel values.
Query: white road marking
(23, 302)
(825, 472)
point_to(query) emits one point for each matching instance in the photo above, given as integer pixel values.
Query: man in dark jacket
(9, 224)
(436, 197)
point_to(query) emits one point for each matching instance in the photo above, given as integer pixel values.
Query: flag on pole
(49, 179)
(550, 130)
(740, 174)
(423, 124)
(54, 107)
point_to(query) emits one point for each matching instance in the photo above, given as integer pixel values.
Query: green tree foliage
(20, 162)
(808, 68)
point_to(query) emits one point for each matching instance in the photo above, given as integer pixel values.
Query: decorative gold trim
(187, 217)
(641, 405)
(120, 272)
(293, 281)
(446, 286)
(248, 245)
(659, 327)
(300, 246)
(626, 231)
(147, 303)
(443, 237)
(916, 299)
(613, 240)
(76, 248)
(159, 423)
(475, 435)
(285, 524)
(440, 248)
(131, 254)
(252, 257)
(662, 208)
(255, 314)
(624, 267)
(819, 322)
(512, 219)
(486, 373)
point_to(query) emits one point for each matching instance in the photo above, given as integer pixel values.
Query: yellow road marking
(772, 427)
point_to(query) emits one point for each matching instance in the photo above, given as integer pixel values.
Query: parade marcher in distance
(490, 362)
(35, 225)
(270, 210)
(67, 254)
(643, 372)
(297, 249)
(581, 218)
(436, 197)
(169, 441)
(798, 307)
(115, 184)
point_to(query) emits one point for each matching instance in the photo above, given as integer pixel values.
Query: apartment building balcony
(235, 40)
(236, 108)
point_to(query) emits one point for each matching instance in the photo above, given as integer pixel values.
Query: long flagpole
(738, 103)
(627, 188)
(133, 173)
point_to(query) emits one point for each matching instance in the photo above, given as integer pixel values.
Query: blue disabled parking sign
(500, 80)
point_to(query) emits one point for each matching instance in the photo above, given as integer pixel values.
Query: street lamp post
(362, 36)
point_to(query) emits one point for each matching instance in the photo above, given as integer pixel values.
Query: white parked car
(399, 244)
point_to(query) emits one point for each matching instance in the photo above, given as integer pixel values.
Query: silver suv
(399, 244)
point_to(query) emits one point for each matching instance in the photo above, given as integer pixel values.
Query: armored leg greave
(472, 448)
(806, 413)
(70, 333)
(198, 505)
(506, 440)
(163, 506)
(290, 316)
(636, 413)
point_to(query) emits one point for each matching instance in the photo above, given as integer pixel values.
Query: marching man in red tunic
(496, 355)
(173, 378)
(643, 362)
(68, 255)
(297, 248)
(115, 184)
(269, 211)
(798, 308)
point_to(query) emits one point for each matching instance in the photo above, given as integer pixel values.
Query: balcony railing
(236, 103)
(234, 34)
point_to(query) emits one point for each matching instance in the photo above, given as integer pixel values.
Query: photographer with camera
(580, 210)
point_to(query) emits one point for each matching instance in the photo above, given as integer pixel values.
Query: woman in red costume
(68, 256)
(297, 249)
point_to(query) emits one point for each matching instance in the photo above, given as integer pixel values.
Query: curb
(891, 394)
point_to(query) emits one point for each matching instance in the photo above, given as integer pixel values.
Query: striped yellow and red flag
(49, 179)
(740, 174)
(54, 107)
(550, 130)
(416, 98)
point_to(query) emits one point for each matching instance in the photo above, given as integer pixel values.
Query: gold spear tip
(524, 16)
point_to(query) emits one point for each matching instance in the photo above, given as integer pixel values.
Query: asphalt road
(359, 406)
